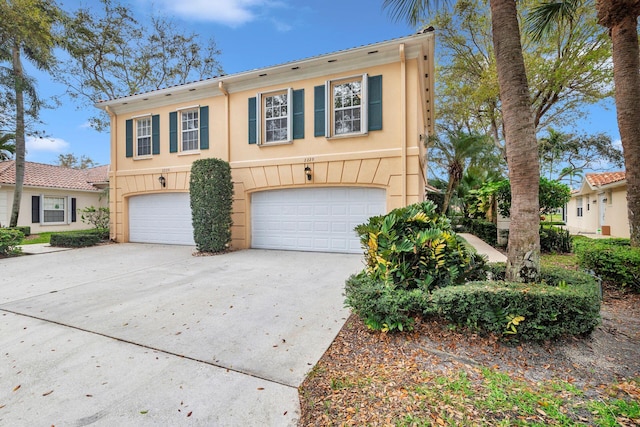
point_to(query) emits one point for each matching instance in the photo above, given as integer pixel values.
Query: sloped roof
(50, 176)
(605, 178)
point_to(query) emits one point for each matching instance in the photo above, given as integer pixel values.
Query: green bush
(98, 217)
(211, 192)
(409, 252)
(383, 306)
(24, 229)
(9, 241)
(75, 240)
(555, 240)
(485, 230)
(614, 260)
(415, 247)
(534, 311)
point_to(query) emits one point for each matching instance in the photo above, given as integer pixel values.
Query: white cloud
(229, 12)
(55, 145)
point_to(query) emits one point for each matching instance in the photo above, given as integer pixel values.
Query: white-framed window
(275, 113)
(348, 101)
(143, 136)
(53, 209)
(579, 206)
(189, 130)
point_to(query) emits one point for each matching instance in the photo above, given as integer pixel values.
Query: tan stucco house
(599, 206)
(315, 146)
(52, 196)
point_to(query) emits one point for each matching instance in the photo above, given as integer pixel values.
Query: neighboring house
(52, 196)
(316, 147)
(599, 206)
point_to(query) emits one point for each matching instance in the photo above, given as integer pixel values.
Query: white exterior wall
(84, 199)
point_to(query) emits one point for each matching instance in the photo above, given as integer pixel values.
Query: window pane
(347, 110)
(275, 118)
(54, 209)
(189, 130)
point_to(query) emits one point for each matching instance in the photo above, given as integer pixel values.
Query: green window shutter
(318, 111)
(35, 209)
(298, 114)
(204, 128)
(375, 103)
(155, 134)
(253, 121)
(173, 132)
(74, 208)
(128, 126)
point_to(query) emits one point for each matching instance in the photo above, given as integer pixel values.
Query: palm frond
(541, 19)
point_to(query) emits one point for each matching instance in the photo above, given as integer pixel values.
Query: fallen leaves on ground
(438, 375)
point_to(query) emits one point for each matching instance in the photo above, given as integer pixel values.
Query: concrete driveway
(133, 334)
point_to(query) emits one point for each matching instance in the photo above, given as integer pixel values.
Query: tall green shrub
(211, 192)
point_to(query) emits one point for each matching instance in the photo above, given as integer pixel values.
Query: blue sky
(251, 34)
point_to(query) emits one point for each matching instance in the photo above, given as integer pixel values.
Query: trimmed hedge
(533, 311)
(211, 195)
(74, 240)
(614, 260)
(383, 306)
(9, 241)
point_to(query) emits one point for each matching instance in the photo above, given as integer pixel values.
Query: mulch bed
(365, 377)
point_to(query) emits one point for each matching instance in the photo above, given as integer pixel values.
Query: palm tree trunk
(621, 18)
(18, 76)
(523, 259)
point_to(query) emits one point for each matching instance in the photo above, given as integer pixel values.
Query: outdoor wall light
(163, 181)
(307, 171)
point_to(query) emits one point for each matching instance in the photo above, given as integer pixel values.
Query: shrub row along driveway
(130, 334)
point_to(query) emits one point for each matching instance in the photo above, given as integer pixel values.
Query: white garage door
(313, 219)
(161, 218)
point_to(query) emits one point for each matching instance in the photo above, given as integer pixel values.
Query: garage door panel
(161, 218)
(313, 219)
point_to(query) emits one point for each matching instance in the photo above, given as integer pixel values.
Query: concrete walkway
(41, 248)
(493, 255)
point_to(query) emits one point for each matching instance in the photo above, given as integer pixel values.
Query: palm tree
(620, 17)
(7, 147)
(523, 259)
(26, 30)
(456, 153)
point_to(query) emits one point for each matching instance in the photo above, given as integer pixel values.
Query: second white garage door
(313, 219)
(161, 218)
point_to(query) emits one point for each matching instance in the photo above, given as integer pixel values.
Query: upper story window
(347, 107)
(276, 117)
(143, 136)
(189, 129)
(350, 106)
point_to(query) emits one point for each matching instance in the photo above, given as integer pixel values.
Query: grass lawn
(45, 237)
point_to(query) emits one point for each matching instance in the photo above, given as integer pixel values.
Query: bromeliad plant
(415, 247)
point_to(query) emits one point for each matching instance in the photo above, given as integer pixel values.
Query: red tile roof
(600, 179)
(41, 175)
